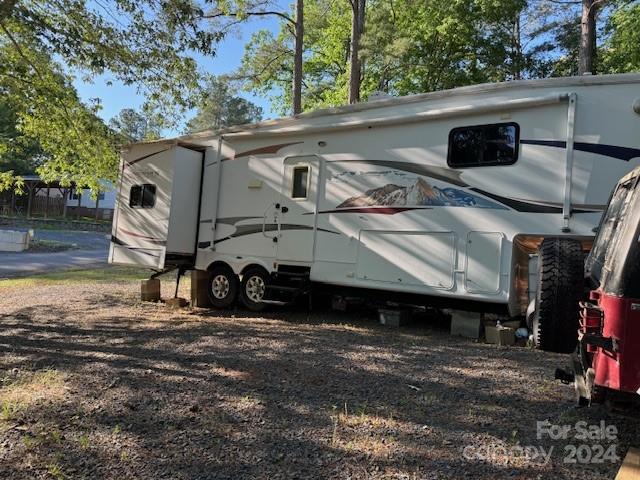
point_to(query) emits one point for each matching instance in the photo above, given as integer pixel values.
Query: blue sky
(229, 52)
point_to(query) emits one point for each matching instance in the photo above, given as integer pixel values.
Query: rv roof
(200, 138)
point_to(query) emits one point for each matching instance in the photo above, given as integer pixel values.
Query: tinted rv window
(135, 196)
(142, 196)
(484, 145)
(148, 195)
(300, 180)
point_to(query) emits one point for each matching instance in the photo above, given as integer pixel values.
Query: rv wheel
(253, 287)
(560, 289)
(223, 286)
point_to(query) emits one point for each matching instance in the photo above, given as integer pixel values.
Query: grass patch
(49, 246)
(29, 389)
(84, 441)
(55, 471)
(103, 274)
(364, 432)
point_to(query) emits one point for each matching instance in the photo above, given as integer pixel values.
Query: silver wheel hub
(255, 289)
(220, 286)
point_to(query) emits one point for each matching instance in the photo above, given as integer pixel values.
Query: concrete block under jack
(394, 317)
(200, 289)
(500, 335)
(177, 302)
(466, 324)
(150, 290)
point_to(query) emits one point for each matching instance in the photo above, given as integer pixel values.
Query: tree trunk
(297, 60)
(65, 194)
(355, 64)
(97, 211)
(517, 49)
(6, 8)
(46, 203)
(29, 201)
(587, 56)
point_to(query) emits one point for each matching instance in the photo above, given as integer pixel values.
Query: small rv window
(135, 196)
(148, 195)
(142, 196)
(484, 145)
(300, 182)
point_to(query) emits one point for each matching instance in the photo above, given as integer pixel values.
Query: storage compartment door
(484, 252)
(143, 257)
(411, 258)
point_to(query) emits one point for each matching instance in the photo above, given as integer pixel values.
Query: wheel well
(523, 246)
(253, 265)
(219, 263)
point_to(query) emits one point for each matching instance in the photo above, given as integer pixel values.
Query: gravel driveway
(98, 385)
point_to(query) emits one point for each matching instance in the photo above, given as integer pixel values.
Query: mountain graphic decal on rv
(417, 191)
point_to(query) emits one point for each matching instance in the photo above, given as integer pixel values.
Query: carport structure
(33, 185)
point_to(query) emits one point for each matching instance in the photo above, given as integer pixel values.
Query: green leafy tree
(621, 50)
(268, 63)
(133, 126)
(404, 47)
(229, 13)
(75, 143)
(143, 43)
(19, 153)
(221, 107)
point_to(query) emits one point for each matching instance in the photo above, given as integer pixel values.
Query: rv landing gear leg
(181, 271)
(177, 302)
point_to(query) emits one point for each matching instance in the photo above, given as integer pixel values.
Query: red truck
(606, 362)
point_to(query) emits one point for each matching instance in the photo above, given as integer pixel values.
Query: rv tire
(253, 287)
(560, 289)
(222, 286)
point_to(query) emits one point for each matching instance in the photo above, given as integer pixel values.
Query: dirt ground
(98, 385)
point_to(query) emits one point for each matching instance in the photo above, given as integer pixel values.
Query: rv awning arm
(426, 116)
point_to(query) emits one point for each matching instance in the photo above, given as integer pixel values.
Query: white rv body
(384, 209)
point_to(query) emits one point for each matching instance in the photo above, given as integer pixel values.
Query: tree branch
(250, 14)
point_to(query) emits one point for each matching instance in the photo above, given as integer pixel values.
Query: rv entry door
(298, 208)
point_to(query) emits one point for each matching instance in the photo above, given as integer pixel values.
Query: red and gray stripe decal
(147, 238)
(269, 149)
(243, 230)
(144, 157)
(137, 249)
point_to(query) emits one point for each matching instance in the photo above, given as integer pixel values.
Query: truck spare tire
(560, 289)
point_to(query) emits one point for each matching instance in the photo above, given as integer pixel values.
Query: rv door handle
(284, 209)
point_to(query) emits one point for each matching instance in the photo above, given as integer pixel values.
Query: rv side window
(135, 196)
(484, 145)
(300, 182)
(142, 196)
(148, 195)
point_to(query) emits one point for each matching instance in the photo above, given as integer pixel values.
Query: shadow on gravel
(290, 394)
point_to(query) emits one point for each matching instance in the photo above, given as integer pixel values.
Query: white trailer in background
(444, 196)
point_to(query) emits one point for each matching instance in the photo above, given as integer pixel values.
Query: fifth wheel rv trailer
(447, 196)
